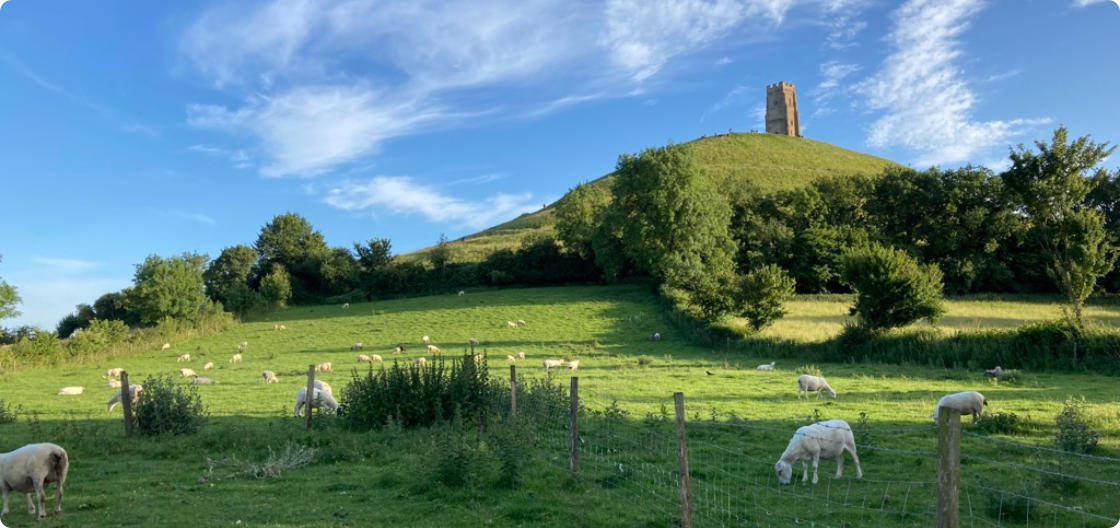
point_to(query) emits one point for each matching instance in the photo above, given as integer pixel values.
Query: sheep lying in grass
(520, 322)
(269, 377)
(236, 358)
(345, 306)
(165, 346)
(32, 468)
(994, 373)
(204, 381)
(114, 384)
(462, 293)
(71, 391)
(133, 389)
(511, 324)
(827, 440)
(968, 402)
(356, 346)
(325, 366)
(279, 327)
(807, 384)
(472, 342)
(209, 365)
(321, 400)
(183, 358)
(520, 355)
(766, 366)
(114, 372)
(433, 349)
(187, 373)
(550, 364)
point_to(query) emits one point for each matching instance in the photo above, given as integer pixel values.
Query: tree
(440, 255)
(170, 287)
(578, 215)
(892, 289)
(9, 299)
(113, 306)
(289, 239)
(374, 255)
(276, 287)
(339, 270)
(762, 295)
(227, 278)
(1051, 187)
(78, 320)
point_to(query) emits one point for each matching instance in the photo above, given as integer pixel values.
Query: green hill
(767, 162)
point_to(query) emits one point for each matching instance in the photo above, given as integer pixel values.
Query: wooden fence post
(573, 440)
(310, 392)
(682, 462)
(126, 403)
(512, 391)
(948, 467)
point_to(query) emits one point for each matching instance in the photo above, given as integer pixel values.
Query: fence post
(512, 391)
(682, 462)
(573, 440)
(948, 467)
(126, 403)
(310, 392)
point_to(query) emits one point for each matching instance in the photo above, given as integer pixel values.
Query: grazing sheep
(827, 440)
(183, 358)
(511, 324)
(994, 373)
(433, 349)
(553, 363)
(236, 358)
(325, 366)
(323, 386)
(477, 358)
(243, 346)
(356, 346)
(520, 322)
(345, 306)
(520, 355)
(282, 327)
(462, 293)
(398, 349)
(967, 402)
(766, 366)
(269, 377)
(114, 372)
(807, 384)
(209, 365)
(362, 358)
(426, 340)
(472, 342)
(375, 358)
(321, 399)
(655, 337)
(114, 384)
(421, 361)
(133, 389)
(32, 468)
(572, 365)
(187, 373)
(204, 381)
(71, 391)
(510, 358)
(166, 346)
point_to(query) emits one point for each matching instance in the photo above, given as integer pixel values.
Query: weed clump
(1000, 423)
(7, 413)
(811, 370)
(169, 408)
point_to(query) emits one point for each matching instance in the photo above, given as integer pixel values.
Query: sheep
(243, 346)
(655, 337)
(236, 358)
(477, 358)
(187, 373)
(205, 381)
(165, 346)
(282, 327)
(375, 358)
(510, 358)
(433, 349)
(325, 366)
(321, 399)
(807, 384)
(398, 349)
(114, 372)
(32, 468)
(994, 373)
(114, 384)
(426, 340)
(421, 361)
(209, 365)
(323, 386)
(356, 346)
(362, 358)
(766, 366)
(345, 306)
(133, 389)
(520, 355)
(71, 391)
(967, 402)
(462, 293)
(183, 358)
(828, 440)
(553, 363)
(472, 342)
(511, 324)
(520, 322)
(269, 377)
(572, 365)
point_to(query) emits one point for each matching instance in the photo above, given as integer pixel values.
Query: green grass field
(740, 420)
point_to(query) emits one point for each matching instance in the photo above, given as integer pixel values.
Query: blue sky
(135, 127)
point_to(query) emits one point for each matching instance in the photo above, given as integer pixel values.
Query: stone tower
(781, 110)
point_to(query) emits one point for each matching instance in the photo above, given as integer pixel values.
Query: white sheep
(766, 366)
(323, 386)
(827, 440)
(967, 402)
(204, 381)
(133, 389)
(187, 373)
(433, 349)
(994, 373)
(114, 384)
(375, 358)
(32, 468)
(477, 358)
(356, 345)
(325, 366)
(553, 363)
(345, 306)
(421, 361)
(209, 365)
(269, 377)
(572, 365)
(520, 355)
(462, 293)
(183, 358)
(114, 372)
(520, 322)
(321, 399)
(511, 324)
(807, 384)
(655, 337)
(510, 358)
(398, 349)
(472, 342)
(71, 391)
(426, 340)
(236, 358)
(165, 346)
(243, 346)
(362, 358)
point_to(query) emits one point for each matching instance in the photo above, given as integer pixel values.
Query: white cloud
(1085, 3)
(64, 266)
(843, 22)
(400, 195)
(733, 97)
(833, 74)
(927, 103)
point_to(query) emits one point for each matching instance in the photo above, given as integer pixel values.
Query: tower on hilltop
(781, 110)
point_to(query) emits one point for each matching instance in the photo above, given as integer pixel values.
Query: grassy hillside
(766, 162)
(740, 420)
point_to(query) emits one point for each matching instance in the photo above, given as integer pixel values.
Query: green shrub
(1000, 423)
(512, 442)
(892, 288)
(7, 413)
(762, 294)
(811, 370)
(169, 408)
(645, 360)
(1074, 433)
(456, 458)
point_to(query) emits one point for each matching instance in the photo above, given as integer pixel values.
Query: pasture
(740, 420)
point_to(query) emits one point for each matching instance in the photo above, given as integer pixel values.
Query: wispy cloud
(831, 86)
(402, 196)
(1084, 3)
(65, 266)
(843, 22)
(239, 157)
(1001, 76)
(195, 217)
(733, 97)
(477, 180)
(926, 102)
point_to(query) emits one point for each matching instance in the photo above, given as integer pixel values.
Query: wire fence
(731, 479)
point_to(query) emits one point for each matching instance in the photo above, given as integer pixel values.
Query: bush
(892, 288)
(1074, 433)
(811, 370)
(512, 441)
(455, 457)
(7, 413)
(762, 294)
(166, 407)
(1000, 422)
